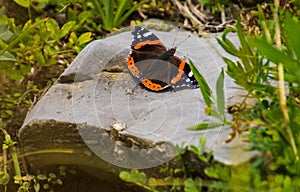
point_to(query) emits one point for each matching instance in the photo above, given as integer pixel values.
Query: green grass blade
(220, 94)
(293, 41)
(204, 126)
(204, 88)
(99, 9)
(108, 6)
(129, 12)
(245, 47)
(122, 6)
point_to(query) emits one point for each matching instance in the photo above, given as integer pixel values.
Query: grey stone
(79, 112)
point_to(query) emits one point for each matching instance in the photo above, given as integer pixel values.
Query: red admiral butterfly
(156, 66)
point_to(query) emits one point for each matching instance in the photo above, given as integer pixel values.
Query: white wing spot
(187, 80)
(138, 36)
(147, 34)
(190, 74)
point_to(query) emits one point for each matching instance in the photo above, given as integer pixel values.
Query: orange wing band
(150, 85)
(130, 62)
(179, 74)
(148, 42)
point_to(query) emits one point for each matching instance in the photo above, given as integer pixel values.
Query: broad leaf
(5, 33)
(53, 27)
(4, 178)
(6, 56)
(23, 3)
(134, 176)
(84, 38)
(66, 28)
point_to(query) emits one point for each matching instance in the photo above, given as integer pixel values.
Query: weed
(114, 12)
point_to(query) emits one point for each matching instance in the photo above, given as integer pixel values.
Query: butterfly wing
(184, 77)
(155, 66)
(142, 60)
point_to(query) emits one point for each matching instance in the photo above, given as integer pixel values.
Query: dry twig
(184, 9)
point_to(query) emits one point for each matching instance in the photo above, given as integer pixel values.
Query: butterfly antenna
(176, 36)
(183, 40)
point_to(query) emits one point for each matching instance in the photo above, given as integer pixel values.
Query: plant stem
(277, 26)
(282, 96)
(29, 10)
(14, 157)
(10, 144)
(284, 110)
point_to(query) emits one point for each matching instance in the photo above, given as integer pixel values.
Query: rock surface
(105, 121)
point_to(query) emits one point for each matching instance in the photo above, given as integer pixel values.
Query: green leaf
(23, 3)
(202, 144)
(24, 69)
(233, 69)
(195, 150)
(39, 56)
(18, 179)
(5, 33)
(66, 28)
(191, 186)
(36, 187)
(52, 175)
(73, 38)
(204, 126)
(41, 177)
(205, 90)
(212, 172)
(14, 74)
(59, 182)
(42, 1)
(245, 48)
(292, 27)
(24, 32)
(220, 94)
(83, 16)
(275, 55)
(84, 38)
(4, 178)
(6, 56)
(245, 52)
(226, 44)
(53, 27)
(270, 51)
(134, 176)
